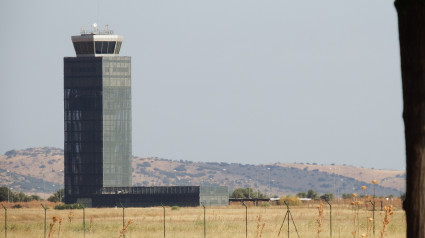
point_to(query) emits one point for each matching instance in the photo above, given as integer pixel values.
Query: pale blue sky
(226, 80)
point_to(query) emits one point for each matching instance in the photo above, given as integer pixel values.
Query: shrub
(17, 206)
(290, 200)
(175, 208)
(266, 204)
(68, 206)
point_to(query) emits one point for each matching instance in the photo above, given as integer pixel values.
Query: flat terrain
(220, 222)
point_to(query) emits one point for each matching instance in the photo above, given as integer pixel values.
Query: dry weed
(356, 208)
(60, 224)
(388, 213)
(124, 229)
(319, 219)
(90, 224)
(260, 227)
(51, 231)
(70, 215)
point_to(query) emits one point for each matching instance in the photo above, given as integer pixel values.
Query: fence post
(5, 220)
(123, 222)
(330, 215)
(205, 231)
(162, 205)
(84, 220)
(246, 219)
(45, 221)
(373, 209)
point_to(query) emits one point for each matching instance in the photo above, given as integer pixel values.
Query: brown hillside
(36, 169)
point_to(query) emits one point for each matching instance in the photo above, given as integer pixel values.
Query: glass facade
(214, 195)
(97, 103)
(116, 121)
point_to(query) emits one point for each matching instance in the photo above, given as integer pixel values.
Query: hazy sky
(226, 80)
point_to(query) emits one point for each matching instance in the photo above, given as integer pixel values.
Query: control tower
(97, 108)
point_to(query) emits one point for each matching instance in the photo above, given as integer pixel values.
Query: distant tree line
(7, 194)
(314, 196)
(247, 193)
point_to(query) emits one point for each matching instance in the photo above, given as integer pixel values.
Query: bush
(266, 204)
(175, 208)
(69, 206)
(17, 206)
(290, 200)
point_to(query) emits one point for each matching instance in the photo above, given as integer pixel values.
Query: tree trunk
(411, 24)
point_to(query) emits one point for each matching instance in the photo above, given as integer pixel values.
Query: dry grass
(221, 222)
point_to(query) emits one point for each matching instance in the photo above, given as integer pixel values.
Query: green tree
(302, 195)
(4, 191)
(55, 196)
(312, 194)
(327, 196)
(35, 197)
(347, 195)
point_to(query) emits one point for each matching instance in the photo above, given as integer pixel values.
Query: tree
(55, 196)
(4, 193)
(411, 26)
(327, 196)
(302, 195)
(347, 195)
(312, 194)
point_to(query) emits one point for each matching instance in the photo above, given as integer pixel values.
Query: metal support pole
(5, 220)
(205, 229)
(84, 220)
(330, 215)
(288, 219)
(123, 215)
(45, 221)
(373, 212)
(162, 205)
(246, 219)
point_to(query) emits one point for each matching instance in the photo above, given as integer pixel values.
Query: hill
(39, 170)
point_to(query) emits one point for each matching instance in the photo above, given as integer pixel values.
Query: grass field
(189, 222)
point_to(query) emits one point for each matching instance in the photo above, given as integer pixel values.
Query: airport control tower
(97, 106)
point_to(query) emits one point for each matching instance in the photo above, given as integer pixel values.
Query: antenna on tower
(97, 17)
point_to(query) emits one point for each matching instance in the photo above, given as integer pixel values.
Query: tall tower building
(97, 98)
(97, 107)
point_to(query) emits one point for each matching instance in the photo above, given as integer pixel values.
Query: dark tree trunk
(411, 24)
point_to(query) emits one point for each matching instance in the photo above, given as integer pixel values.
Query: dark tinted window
(83, 48)
(98, 45)
(105, 47)
(111, 47)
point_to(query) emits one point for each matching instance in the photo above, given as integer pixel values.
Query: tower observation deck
(97, 42)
